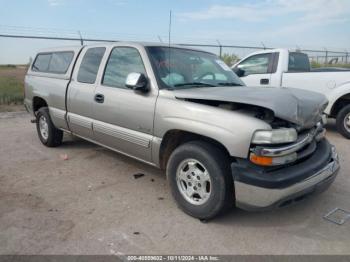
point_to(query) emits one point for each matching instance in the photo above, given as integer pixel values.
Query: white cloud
(54, 3)
(247, 13)
(317, 12)
(294, 22)
(118, 2)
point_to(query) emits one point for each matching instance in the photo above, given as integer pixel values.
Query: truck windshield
(178, 68)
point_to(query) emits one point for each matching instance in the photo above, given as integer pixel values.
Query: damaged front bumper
(259, 189)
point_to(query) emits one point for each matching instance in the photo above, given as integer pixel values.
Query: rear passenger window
(56, 62)
(298, 62)
(41, 63)
(90, 64)
(60, 62)
(122, 61)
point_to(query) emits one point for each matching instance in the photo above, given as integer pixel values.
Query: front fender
(335, 94)
(232, 129)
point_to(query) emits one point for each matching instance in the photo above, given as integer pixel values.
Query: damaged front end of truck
(285, 163)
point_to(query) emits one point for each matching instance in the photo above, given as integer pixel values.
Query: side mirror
(137, 81)
(238, 71)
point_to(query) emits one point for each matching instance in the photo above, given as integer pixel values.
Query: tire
(49, 135)
(201, 156)
(343, 121)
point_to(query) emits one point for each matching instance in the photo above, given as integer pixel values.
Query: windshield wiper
(195, 84)
(229, 84)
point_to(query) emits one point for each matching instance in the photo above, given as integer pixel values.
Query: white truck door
(256, 69)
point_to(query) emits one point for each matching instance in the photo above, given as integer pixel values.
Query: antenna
(169, 39)
(169, 51)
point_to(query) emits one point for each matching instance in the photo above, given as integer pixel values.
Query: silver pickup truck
(184, 111)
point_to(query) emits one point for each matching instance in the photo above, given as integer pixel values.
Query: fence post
(326, 60)
(220, 48)
(346, 57)
(81, 39)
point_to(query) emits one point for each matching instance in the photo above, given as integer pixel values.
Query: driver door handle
(99, 98)
(264, 81)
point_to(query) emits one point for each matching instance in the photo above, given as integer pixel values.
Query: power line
(57, 38)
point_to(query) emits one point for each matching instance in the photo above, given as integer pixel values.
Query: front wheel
(48, 134)
(343, 121)
(200, 179)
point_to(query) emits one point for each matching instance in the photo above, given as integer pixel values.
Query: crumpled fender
(298, 106)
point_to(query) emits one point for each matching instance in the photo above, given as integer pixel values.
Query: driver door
(123, 117)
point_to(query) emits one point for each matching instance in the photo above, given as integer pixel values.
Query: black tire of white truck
(343, 121)
(48, 134)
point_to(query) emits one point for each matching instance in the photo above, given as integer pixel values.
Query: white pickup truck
(283, 68)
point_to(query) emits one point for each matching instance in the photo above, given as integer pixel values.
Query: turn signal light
(272, 161)
(261, 160)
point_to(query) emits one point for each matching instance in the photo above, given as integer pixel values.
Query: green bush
(230, 59)
(8, 66)
(314, 64)
(11, 91)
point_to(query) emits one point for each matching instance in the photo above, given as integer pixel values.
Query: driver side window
(122, 62)
(256, 64)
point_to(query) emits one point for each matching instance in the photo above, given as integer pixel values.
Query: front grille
(310, 148)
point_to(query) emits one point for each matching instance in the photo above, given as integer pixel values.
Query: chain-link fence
(20, 49)
(317, 57)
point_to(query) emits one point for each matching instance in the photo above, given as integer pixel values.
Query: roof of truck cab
(76, 48)
(274, 50)
(60, 49)
(269, 51)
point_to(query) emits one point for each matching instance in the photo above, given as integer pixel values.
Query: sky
(315, 24)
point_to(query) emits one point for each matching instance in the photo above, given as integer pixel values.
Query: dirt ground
(92, 204)
(11, 108)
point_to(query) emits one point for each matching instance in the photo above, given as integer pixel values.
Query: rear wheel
(200, 179)
(343, 121)
(48, 134)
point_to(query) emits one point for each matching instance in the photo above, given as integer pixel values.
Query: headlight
(275, 136)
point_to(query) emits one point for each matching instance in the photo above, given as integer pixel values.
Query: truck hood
(301, 107)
